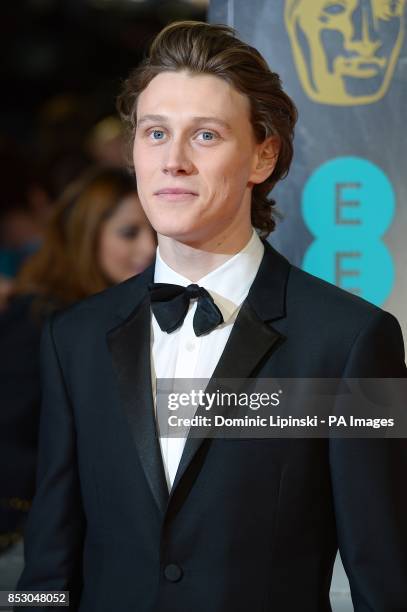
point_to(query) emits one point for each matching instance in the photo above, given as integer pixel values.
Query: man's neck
(194, 261)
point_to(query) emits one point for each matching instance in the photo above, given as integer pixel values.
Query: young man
(127, 520)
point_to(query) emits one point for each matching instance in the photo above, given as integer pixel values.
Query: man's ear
(265, 160)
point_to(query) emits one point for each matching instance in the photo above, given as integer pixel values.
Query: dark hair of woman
(66, 268)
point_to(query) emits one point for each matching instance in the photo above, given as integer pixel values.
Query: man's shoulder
(307, 296)
(322, 296)
(102, 310)
(335, 312)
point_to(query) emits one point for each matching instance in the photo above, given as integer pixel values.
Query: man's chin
(186, 234)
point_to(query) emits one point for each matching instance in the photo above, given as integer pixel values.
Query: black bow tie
(170, 303)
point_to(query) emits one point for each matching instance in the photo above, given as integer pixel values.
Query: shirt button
(173, 572)
(190, 345)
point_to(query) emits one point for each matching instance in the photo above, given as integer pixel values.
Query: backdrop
(344, 203)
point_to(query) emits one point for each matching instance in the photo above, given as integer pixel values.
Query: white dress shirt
(182, 354)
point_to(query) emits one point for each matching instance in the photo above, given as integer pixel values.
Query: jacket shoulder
(102, 310)
(327, 300)
(342, 327)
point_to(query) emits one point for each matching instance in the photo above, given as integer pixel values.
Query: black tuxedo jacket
(250, 525)
(20, 400)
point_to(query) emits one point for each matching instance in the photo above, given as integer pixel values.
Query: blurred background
(61, 69)
(70, 220)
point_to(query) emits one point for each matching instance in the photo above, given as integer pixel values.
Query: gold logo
(345, 51)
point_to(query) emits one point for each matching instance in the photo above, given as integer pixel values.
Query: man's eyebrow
(146, 118)
(220, 122)
(197, 119)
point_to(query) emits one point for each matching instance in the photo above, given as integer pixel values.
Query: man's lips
(175, 194)
(175, 190)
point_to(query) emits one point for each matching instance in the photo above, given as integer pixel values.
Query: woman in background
(97, 236)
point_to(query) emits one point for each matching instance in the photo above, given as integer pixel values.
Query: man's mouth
(175, 193)
(175, 190)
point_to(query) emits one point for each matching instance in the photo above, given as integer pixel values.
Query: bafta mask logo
(345, 51)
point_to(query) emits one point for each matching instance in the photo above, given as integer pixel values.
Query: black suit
(20, 332)
(250, 525)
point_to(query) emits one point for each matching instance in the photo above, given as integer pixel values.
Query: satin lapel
(252, 339)
(129, 344)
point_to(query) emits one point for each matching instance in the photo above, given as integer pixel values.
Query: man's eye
(207, 135)
(157, 134)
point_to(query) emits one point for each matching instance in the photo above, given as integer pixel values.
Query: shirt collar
(229, 283)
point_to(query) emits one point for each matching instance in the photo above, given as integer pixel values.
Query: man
(126, 520)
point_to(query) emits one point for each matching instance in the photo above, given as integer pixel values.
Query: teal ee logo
(348, 204)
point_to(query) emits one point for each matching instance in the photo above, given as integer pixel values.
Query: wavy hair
(65, 268)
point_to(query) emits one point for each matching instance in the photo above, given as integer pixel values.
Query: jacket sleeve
(56, 524)
(369, 483)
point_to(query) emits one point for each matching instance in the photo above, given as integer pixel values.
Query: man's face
(345, 50)
(194, 136)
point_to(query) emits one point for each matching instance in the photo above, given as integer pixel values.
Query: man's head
(207, 116)
(345, 50)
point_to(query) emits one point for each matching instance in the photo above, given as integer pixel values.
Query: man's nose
(177, 160)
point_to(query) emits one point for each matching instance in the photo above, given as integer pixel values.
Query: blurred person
(28, 192)
(98, 236)
(24, 208)
(137, 520)
(6, 290)
(105, 142)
